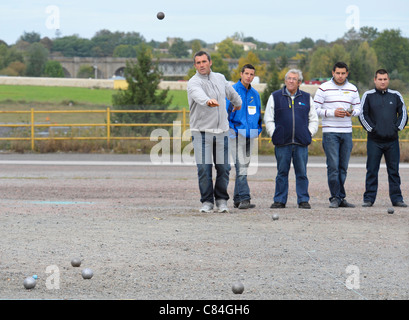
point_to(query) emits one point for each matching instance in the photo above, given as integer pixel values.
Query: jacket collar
(381, 91)
(205, 76)
(286, 93)
(240, 84)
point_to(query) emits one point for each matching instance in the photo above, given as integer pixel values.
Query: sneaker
(206, 207)
(277, 205)
(304, 205)
(346, 204)
(222, 205)
(334, 204)
(367, 204)
(246, 205)
(400, 204)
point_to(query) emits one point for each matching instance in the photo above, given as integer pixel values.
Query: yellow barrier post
(32, 129)
(184, 121)
(108, 126)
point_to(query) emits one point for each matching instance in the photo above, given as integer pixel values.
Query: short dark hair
(248, 66)
(381, 71)
(201, 53)
(340, 65)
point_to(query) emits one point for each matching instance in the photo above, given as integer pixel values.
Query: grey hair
(296, 71)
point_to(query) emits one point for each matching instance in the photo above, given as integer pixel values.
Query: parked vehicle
(316, 81)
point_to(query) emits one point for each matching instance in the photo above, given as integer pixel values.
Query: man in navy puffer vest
(291, 121)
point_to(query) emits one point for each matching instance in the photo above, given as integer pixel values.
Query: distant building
(170, 41)
(247, 46)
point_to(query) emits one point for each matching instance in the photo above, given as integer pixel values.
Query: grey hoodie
(202, 88)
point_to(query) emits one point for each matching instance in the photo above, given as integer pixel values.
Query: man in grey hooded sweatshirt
(207, 92)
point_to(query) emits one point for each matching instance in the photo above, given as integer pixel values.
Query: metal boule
(87, 273)
(238, 287)
(29, 283)
(76, 262)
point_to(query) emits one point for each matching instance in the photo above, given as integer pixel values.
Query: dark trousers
(212, 148)
(337, 147)
(391, 152)
(299, 156)
(241, 149)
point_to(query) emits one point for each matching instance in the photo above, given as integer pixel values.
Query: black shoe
(304, 205)
(400, 204)
(277, 205)
(346, 204)
(246, 205)
(237, 205)
(367, 204)
(334, 204)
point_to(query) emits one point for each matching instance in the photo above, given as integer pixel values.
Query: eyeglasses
(292, 79)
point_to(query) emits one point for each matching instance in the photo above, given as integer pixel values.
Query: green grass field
(41, 98)
(38, 96)
(47, 100)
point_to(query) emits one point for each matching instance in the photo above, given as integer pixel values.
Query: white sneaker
(222, 205)
(206, 207)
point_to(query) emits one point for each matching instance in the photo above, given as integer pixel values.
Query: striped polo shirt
(330, 97)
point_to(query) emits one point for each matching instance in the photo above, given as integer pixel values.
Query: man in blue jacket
(245, 125)
(383, 115)
(291, 121)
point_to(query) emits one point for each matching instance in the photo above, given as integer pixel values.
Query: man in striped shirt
(336, 101)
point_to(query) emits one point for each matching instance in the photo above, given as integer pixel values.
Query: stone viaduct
(108, 67)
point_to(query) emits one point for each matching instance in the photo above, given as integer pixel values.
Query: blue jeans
(212, 149)
(299, 156)
(241, 148)
(337, 147)
(391, 151)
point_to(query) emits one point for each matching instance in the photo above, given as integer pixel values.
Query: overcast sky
(212, 21)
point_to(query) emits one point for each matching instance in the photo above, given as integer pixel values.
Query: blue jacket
(291, 118)
(248, 119)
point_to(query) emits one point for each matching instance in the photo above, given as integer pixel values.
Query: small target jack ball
(238, 287)
(275, 216)
(160, 15)
(29, 283)
(87, 273)
(391, 210)
(76, 262)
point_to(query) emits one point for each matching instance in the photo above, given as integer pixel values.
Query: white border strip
(149, 163)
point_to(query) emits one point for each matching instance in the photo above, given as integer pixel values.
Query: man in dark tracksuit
(383, 115)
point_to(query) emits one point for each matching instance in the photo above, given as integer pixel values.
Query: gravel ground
(138, 228)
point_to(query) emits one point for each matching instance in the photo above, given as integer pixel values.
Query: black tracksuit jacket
(383, 114)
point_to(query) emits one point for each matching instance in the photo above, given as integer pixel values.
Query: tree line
(364, 50)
